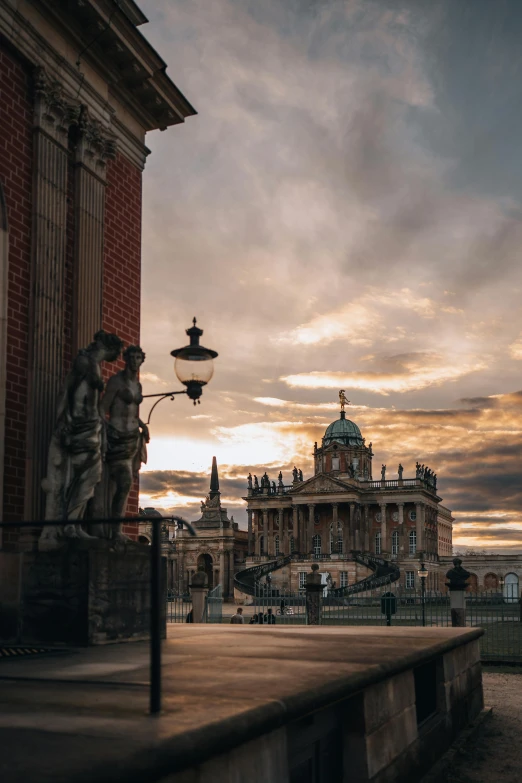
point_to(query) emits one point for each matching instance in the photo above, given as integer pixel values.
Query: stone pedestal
(86, 593)
(314, 590)
(199, 592)
(458, 608)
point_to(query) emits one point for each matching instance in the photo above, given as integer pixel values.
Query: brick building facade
(79, 89)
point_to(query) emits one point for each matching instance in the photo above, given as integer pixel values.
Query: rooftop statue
(75, 453)
(343, 399)
(249, 481)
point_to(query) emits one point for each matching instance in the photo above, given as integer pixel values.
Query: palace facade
(342, 509)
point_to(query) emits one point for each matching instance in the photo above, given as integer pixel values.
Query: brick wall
(16, 176)
(122, 269)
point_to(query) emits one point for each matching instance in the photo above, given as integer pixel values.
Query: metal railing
(157, 600)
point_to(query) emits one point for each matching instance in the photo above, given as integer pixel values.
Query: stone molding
(36, 49)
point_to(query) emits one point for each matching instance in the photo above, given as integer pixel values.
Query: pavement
(84, 716)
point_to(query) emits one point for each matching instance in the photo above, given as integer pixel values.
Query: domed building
(343, 509)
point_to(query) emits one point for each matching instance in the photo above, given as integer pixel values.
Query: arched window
(395, 542)
(413, 542)
(292, 545)
(276, 545)
(472, 586)
(332, 543)
(491, 582)
(339, 545)
(511, 588)
(377, 543)
(316, 542)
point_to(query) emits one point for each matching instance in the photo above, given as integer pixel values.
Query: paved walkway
(495, 753)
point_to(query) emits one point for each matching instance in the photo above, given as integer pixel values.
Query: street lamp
(194, 367)
(423, 573)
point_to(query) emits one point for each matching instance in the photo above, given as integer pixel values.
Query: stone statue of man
(75, 453)
(126, 439)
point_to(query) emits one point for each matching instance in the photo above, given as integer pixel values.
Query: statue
(249, 481)
(274, 490)
(400, 471)
(256, 484)
(343, 399)
(457, 576)
(417, 470)
(75, 452)
(126, 438)
(383, 472)
(295, 474)
(280, 478)
(301, 475)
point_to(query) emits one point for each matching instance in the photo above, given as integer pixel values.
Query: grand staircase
(384, 573)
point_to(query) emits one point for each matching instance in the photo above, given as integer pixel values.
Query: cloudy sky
(344, 212)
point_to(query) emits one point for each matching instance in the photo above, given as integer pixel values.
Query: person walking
(238, 617)
(270, 618)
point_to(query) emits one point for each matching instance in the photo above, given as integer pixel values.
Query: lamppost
(423, 573)
(194, 367)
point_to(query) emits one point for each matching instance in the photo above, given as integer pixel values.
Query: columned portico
(342, 502)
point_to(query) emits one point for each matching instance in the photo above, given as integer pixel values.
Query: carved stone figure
(400, 471)
(256, 483)
(295, 474)
(126, 438)
(249, 481)
(300, 475)
(383, 472)
(274, 490)
(280, 479)
(75, 452)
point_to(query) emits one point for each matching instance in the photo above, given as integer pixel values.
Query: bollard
(314, 590)
(199, 592)
(457, 578)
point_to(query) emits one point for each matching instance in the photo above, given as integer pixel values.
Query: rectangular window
(302, 580)
(410, 579)
(343, 578)
(377, 543)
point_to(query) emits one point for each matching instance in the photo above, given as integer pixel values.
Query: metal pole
(155, 619)
(423, 594)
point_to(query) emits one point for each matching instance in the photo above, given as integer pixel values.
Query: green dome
(343, 431)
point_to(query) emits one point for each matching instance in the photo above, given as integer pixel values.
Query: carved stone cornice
(56, 113)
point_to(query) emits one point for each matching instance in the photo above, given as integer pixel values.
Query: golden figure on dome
(343, 399)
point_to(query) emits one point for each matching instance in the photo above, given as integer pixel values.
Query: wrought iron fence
(501, 618)
(278, 607)
(179, 607)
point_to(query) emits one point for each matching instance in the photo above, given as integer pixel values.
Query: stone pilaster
(50, 144)
(310, 527)
(265, 532)
(352, 526)
(94, 146)
(250, 536)
(419, 526)
(366, 529)
(295, 525)
(400, 506)
(335, 524)
(384, 529)
(284, 547)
